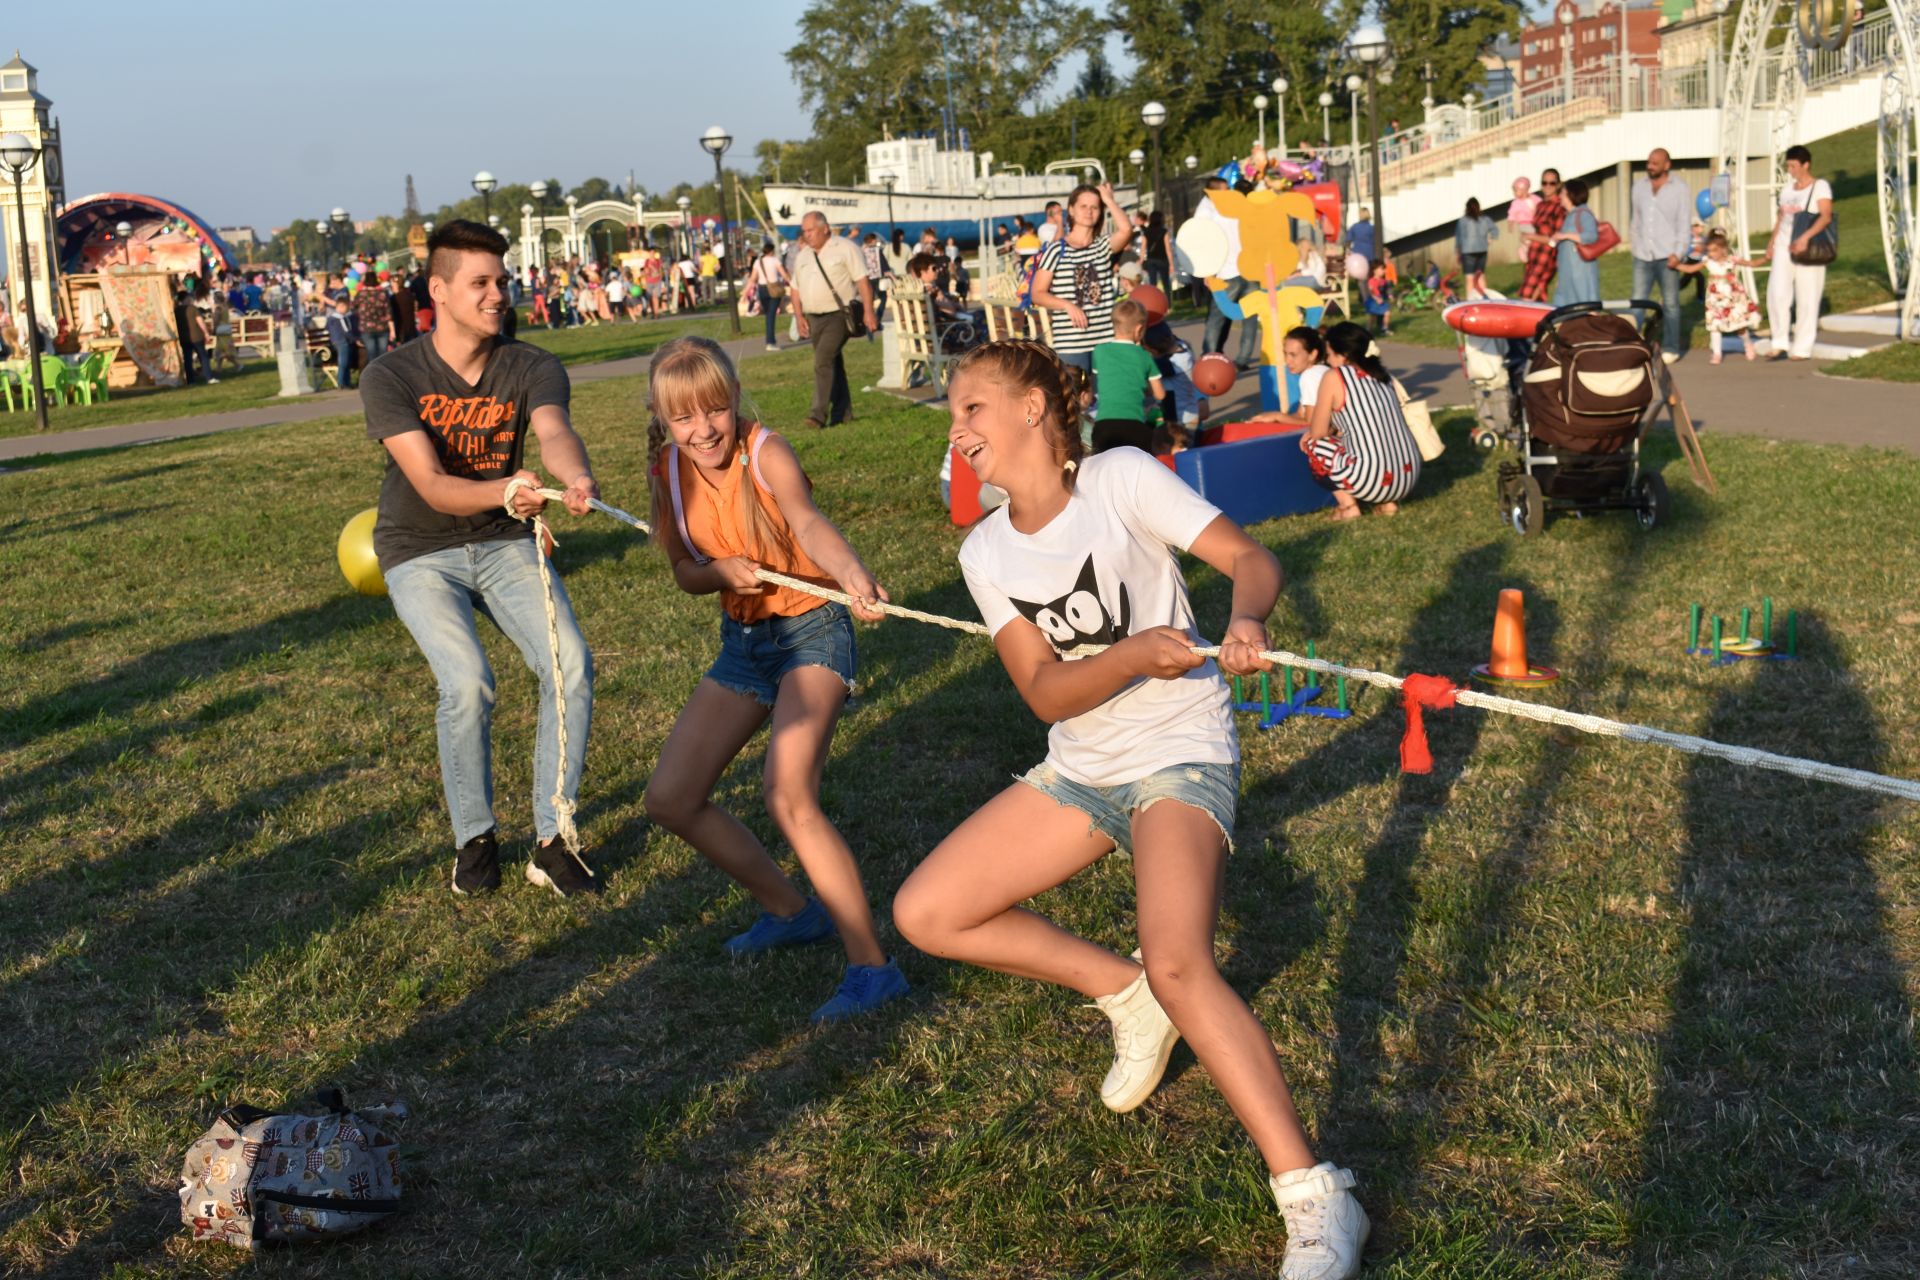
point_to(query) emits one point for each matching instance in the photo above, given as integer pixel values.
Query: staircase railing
(1462, 134)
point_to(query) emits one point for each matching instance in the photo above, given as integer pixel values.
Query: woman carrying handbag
(1803, 243)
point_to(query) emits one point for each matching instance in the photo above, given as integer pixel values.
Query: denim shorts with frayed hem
(756, 657)
(1212, 788)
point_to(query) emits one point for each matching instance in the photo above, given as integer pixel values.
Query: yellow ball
(357, 559)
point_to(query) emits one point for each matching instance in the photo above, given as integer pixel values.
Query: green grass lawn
(1897, 363)
(1857, 278)
(1570, 1007)
(258, 382)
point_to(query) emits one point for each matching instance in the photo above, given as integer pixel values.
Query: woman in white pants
(1795, 288)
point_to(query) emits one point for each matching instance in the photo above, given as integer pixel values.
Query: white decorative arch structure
(575, 220)
(1768, 69)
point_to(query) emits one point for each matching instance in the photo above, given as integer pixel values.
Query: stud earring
(1029, 419)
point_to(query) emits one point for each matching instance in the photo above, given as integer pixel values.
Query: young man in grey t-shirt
(453, 412)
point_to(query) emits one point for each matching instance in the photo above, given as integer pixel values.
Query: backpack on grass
(256, 1177)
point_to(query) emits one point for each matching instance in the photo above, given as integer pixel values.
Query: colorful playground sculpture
(1268, 258)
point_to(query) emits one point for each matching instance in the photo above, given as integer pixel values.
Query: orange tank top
(712, 526)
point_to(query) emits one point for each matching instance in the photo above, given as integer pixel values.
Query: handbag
(1825, 246)
(1420, 422)
(856, 317)
(1604, 238)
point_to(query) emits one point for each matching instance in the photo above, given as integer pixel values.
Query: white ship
(951, 191)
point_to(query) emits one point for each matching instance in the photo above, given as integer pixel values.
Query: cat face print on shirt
(1079, 617)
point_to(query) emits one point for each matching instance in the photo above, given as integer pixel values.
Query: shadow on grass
(1780, 1135)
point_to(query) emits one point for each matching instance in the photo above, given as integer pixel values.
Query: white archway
(575, 220)
(1774, 45)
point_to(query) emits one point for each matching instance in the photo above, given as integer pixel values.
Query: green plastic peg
(1716, 637)
(1693, 627)
(1766, 621)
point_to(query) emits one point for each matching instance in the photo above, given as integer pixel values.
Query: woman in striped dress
(1075, 277)
(1358, 443)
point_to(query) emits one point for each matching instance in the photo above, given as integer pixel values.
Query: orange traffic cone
(1509, 665)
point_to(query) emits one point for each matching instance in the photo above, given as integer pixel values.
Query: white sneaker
(1143, 1040)
(1670, 357)
(1326, 1227)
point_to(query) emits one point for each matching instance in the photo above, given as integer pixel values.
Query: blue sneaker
(812, 924)
(866, 986)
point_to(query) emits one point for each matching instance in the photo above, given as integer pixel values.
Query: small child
(1190, 408)
(1123, 376)
(1730, 308)
(1379, 298)
(1520, 212)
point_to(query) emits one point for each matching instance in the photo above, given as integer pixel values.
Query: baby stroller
(1584, 404)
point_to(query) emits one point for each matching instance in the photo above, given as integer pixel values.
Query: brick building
(1592, 30)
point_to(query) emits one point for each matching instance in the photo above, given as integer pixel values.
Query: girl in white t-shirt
(1085, 552)
(1304, 351)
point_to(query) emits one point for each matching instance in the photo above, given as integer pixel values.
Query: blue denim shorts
(755, 657)
(1212, 788)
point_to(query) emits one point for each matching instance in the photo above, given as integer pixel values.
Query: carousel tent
(164, 234)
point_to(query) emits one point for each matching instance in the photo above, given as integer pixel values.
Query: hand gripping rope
(1417, 691)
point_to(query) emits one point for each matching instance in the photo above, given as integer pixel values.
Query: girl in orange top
(729, 498)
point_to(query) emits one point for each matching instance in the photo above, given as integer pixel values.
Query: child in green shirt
(1123, 375)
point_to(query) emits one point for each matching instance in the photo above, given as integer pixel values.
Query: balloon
(355, 552)
(1153, 300)
(1230, 171)
(1213, 374)
(1290, 169)
(1703, 204)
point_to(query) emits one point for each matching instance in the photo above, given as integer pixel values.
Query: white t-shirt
(1049, 232)
(1792, 201)
(1102, 570)
(1310, 385)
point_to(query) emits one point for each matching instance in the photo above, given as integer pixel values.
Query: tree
(1449, 36)
(595, 189)
(1097, 80)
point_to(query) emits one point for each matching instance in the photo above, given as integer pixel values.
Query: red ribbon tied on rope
(1418, 693)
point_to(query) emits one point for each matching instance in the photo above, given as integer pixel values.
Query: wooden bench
(1006, 319)
(926, 341)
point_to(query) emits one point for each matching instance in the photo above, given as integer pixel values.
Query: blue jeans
(437, 596)
(1643, 278)
(376, 344)
(343, 365)
(1217, 324)
(1212, 788)
(770, 312)
(756, 657)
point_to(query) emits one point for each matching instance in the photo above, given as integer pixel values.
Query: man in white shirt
(1662, 232)
(828, 273)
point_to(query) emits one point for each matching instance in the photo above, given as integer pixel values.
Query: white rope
(1859, 779)
(562, 806)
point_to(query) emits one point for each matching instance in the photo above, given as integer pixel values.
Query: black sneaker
(476, 867)
(561, 870)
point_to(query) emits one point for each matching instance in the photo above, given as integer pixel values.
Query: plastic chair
(54, 376)
(7, 379)
(88, 381)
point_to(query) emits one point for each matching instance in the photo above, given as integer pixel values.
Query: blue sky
(592, 87)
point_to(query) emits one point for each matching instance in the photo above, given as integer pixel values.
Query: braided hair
(1020, 365)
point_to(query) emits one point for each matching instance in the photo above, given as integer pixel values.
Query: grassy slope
(1572, 1008)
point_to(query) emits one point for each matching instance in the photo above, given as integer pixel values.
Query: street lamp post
(1713, 67)
(1260, 114)
(686, 240)
(484, 183)
(18, 155)
(1359, 178)
(1280, 87)
(1566, 46)
(1368, 46)
(716, 141)
(124, 230)
(1326, 118)
(539, 192)
(1138, 159)
(888, 182)
(1153, 115)
(341, 225)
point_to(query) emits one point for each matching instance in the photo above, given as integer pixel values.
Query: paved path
(1784, 401)
(1787, 401)
(325, 404)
